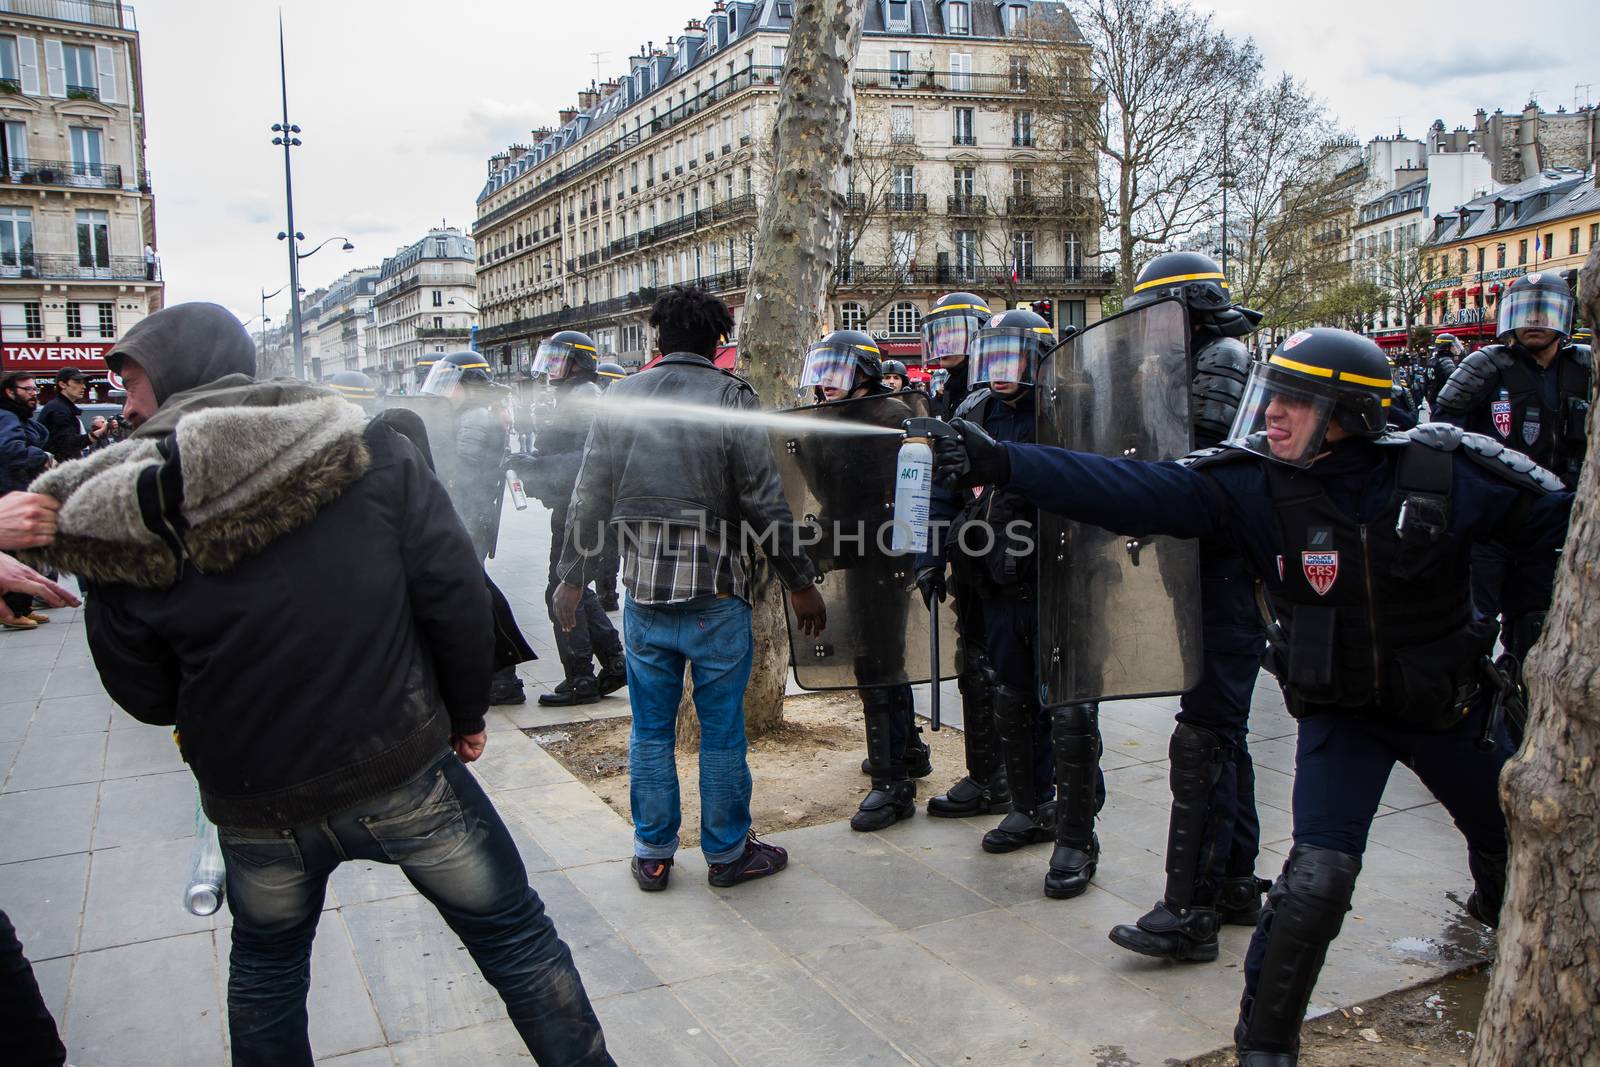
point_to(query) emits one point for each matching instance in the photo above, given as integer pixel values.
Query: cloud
(488, 125)
(1460, 60)
(257, 209)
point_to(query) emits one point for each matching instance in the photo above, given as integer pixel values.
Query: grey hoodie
(185, 346)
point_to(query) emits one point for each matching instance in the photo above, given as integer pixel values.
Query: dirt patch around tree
(1430, 1025)
(806, 772)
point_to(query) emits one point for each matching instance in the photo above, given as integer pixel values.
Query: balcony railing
(958, 81)
(991, 276)
(90, 12)
(1046, 206)
(70, 268)
(906, 201)
(964, 139)
(62, 172)
(442, 333)
(966, 205)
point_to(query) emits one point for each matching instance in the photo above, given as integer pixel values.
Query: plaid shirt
(670, 563)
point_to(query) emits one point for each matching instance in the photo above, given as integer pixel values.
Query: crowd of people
(1370, 563)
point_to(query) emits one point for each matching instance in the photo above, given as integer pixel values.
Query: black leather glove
(973, 458)
(930, 581)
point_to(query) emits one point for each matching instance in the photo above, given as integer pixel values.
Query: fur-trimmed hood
(232, 472)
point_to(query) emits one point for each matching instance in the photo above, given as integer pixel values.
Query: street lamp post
(286, 131)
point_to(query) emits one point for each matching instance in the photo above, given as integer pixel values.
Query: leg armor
(1030, 822)
(1302, 916)
(893, 795)
(984, 789)
(1075, 734)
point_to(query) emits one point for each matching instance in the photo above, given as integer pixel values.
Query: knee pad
(1075, 731)
(974, 687)
(1197, 756)
(1310, 898)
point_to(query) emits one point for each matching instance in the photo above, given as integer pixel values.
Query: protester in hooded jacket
(316, 734)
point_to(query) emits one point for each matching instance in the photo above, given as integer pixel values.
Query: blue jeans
(450, 843)
(711, 635)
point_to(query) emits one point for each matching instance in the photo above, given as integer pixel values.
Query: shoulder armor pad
(1582, 354)
(1508, 464)
(1472, 379)
(1391, 438)
(1224, 353)
(1441, 435)
(971, 401)
(1215, 457)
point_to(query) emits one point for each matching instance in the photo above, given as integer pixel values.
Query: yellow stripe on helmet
(1215, 275)
(1362, 379)
(474, 366)
(961, 307)
(586, 348)
(1329, 372)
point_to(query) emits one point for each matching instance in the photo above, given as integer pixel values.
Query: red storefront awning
(1391, 340)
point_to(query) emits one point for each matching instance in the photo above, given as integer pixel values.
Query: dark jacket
(63, 421)
(285, 584)
(22, 452)
(552, 473)
(669, 465)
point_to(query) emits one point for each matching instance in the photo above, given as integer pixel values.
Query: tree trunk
(796, 250)
(1544, 999)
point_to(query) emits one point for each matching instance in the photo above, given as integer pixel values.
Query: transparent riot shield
(1119, 616)
(840, 487)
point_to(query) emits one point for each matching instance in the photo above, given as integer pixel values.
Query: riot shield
(840, 487)
(1118, 616)
(439, 419)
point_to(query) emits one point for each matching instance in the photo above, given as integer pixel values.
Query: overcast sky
(402, 102)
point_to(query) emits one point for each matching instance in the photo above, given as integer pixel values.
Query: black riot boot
(506, 688)
(1029, 822)
(614, 675)
(1075, 735)
(579, 689)
(1489, 878)
(894, 794)
(983, 790)
(1304, 911)
(1239, 902)
(1183, 925)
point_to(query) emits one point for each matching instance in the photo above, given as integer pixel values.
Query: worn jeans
(712, 635)
(449, 842)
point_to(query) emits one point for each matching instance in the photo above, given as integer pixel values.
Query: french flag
(1538, 246)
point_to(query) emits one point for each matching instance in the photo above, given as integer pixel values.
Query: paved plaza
(909, 946)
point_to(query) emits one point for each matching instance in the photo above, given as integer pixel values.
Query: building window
(1021, 182)
(964, 182)
(779, 53)
(1594, 233)
(16, 134)
(438, 298)
(82, 78)
(852, 316)
(1072, 252)
(1022, 129)
(1463, 262)
(962, 129)
(438, 322)
(94, 240)
(961, 71)
(899, 69)
(1022, 253)
(1016, 19)
(87, 155)
(957, 19)
(1522, 251)
(9, 71)
(899, 14)
(1019, 73)
(900, 125)
(1549, 244)
(903, 250)
(1499, 256)
(16, 239)
(22, 320)
(74, 319)
(966, 251)
(108, 320)
(905, 318)
(905, 180)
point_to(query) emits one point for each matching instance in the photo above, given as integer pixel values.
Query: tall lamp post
(286, 137)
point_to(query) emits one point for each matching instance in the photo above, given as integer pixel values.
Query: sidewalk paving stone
(44, 899)
(44, 761)
(181, 1022)
(47, 822)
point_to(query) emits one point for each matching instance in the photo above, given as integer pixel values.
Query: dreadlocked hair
(687, 319)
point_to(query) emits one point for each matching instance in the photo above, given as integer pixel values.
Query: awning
(1391, 340)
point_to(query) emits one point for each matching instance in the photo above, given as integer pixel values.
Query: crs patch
(1322, 570)
(1501, 411)
(1296, 339)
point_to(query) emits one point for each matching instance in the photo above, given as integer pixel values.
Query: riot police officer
(568, 360)
(424, 365)
(1441, 363)
(1213, 834)
(948, 331)
(846, 365)
(359, 389)
(471, 464)
(1054, 751)
(894, 375)
(1361, 539)
(608, 372)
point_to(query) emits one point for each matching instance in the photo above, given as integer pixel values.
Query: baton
(933, 653)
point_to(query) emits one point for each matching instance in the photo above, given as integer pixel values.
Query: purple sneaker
(758, 860)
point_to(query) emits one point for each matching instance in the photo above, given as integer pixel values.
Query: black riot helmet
(424, 365)
(457, 369)
(951, 325)
(1195, 279)
(609, 372)
(1316, 377)
(1009, 347)
(1541, 300)
(895, 367)
(357, 388)
(566, 355)
(843, 360)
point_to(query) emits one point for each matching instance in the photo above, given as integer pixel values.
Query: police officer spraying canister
(1213, 835)
(1531, 391)
(1361, 537)
(1045, 750)
(569, 362)
(843, 374)
(948, 331)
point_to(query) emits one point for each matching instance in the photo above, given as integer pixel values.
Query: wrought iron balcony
(24, 171)
(992, 277)
(47, 265)
(966, 205)
(442, 333)
(89, 12)
(1028, 205)
(906, 201)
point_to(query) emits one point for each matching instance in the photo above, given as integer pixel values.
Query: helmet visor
(949, 334)
(442, 380)
(1007, 355)
(1282, 416)
(1524, 309)
(829, 366)
(554, 359)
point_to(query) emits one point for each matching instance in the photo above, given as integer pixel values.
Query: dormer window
(958, 18)
(1016, 18)
(785, 9)
(899, 14)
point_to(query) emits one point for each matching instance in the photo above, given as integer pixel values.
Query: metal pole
(933, 656)
(288, 197)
